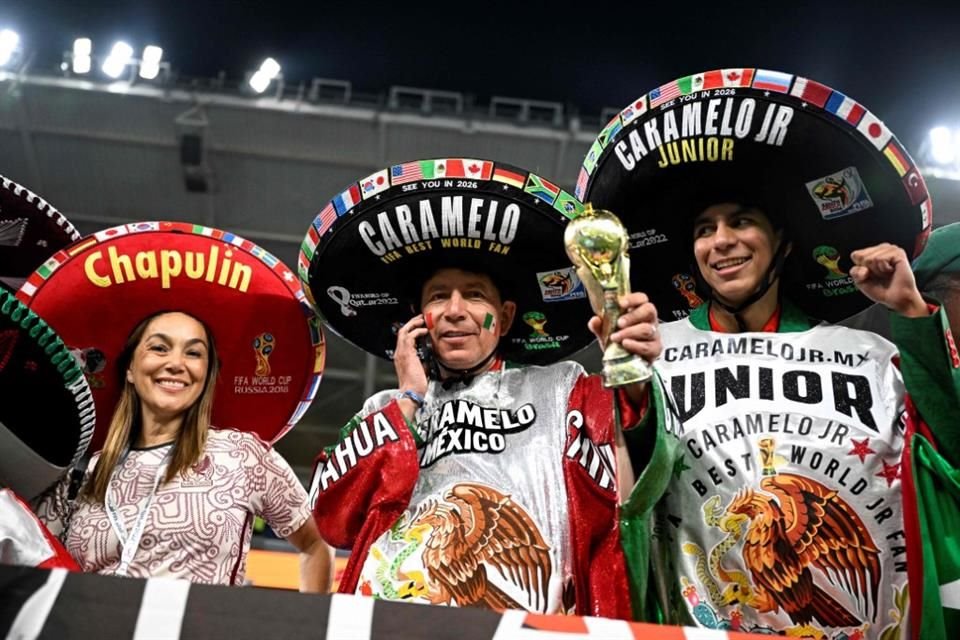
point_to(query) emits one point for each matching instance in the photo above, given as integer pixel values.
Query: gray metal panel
(94, 112)
(573, 160)
(115, 179)
(341, 140)
(275, 195)
(13, 161)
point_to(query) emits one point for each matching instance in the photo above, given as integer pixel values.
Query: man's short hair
(420, 276)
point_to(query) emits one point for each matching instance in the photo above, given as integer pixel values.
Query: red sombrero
(269, 341)
(823, 165)
(30, 232)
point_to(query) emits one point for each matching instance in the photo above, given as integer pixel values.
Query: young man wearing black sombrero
(477, 482)
(792, 508)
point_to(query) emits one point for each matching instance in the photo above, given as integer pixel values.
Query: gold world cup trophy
(596, 242)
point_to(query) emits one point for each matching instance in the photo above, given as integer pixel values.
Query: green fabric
(43, 334)
(792, 319)
(941, 255)
(934, 385)
(345, 432)
(929, 376)
(637, 511)
(938, 504)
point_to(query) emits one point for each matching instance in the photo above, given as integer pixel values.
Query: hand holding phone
(412, 357)
(425, 353)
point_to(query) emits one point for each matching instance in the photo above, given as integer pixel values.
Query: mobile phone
(425, 353)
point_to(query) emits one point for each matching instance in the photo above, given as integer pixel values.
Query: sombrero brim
(829, 170)
(31, 231)
(372, 242)
(47, 414)
(269, 341)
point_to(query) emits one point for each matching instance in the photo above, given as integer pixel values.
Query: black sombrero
(814, 159)
(47, 412)
(368, 249)
(30, 232)
(268, 338)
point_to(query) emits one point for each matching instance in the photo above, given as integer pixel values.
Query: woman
(168, 495)
(790, 506)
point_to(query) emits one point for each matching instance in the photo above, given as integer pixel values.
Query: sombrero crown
(47, 413)
(368, 250)
(815, 160)
(31, 231)
(270, 344)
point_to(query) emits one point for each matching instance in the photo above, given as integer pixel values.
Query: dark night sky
(900, 60)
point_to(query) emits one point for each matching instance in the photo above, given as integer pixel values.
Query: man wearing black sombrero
(477, 482)
(792, 507)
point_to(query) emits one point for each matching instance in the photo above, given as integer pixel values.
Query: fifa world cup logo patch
(686, 287)
(262, 347)
(536, 321)
(829, 258)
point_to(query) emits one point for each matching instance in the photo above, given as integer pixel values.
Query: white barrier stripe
(161, 609)
(608, 628)
(511, 625)
(350, 618)
(34, 613)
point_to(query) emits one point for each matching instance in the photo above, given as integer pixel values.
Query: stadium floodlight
(150, 62)
(82, 48)
(9, 42)
(261, 79)
(943, 145)
(118, 59)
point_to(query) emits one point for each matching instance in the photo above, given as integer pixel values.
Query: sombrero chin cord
(464, 376)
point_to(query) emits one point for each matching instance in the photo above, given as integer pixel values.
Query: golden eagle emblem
(796, 526)
(474, 528)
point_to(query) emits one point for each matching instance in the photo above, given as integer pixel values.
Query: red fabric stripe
(602, 588)
(61, 558)
(911, 519)
(359, 506)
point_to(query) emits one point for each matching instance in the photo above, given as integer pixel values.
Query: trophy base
(619, 372)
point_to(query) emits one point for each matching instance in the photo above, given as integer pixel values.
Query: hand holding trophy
(596, 242)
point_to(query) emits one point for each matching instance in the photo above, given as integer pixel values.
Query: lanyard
(129, 543)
